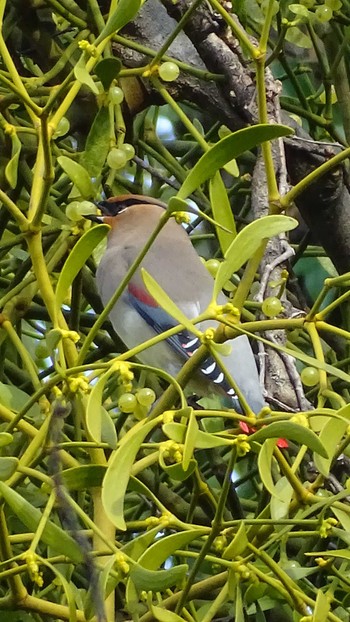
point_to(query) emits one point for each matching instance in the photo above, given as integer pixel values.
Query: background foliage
(108, 512)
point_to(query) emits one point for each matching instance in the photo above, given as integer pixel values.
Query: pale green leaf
(11, 170)
(78, 175)
(77, 258)
(83, 76)
(322, 607)
(5, 437)
(165, 547)
(280, 502)
(238, 545)
(190, 440)
(330, 435)
(163, 615)
(119, 471)
(204, 440)
(247, 243)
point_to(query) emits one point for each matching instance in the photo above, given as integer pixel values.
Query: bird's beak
(94, 218)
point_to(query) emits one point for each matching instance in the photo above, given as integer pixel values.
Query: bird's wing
(183, 342)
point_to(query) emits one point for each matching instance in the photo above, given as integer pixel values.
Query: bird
(174, 264)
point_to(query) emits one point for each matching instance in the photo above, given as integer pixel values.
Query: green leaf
(8, 466)
(124, 13)
(190, 441)
(15, 399)
(84, 477)
(322, 607)
(238, 544)
(55, 537)
(97, 143)
(165, 547)
(78, 175)
(166, 303)
(280, 502)
(98, 421)
(163, 615)
(330, 435)
(226, 149)
(340, 553)
(222, 212)
(11, 170)
(157, 580)
(136, 547)
(247, 243)
(83, 76)
(119, 471)
(177, 471)
(107, 70)
(52, 338)
(204, 440)
(77, 258)
(5, 438)
(265, 458)
(293, 432)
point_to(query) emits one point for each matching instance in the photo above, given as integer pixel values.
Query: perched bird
(174, 264)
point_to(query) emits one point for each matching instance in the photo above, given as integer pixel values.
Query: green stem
(236, 29)
(180, 113)
(178, 28)
(326, 167)
(23, 352)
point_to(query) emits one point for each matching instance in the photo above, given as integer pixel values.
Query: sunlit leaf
(247, 243)
(119, 471)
